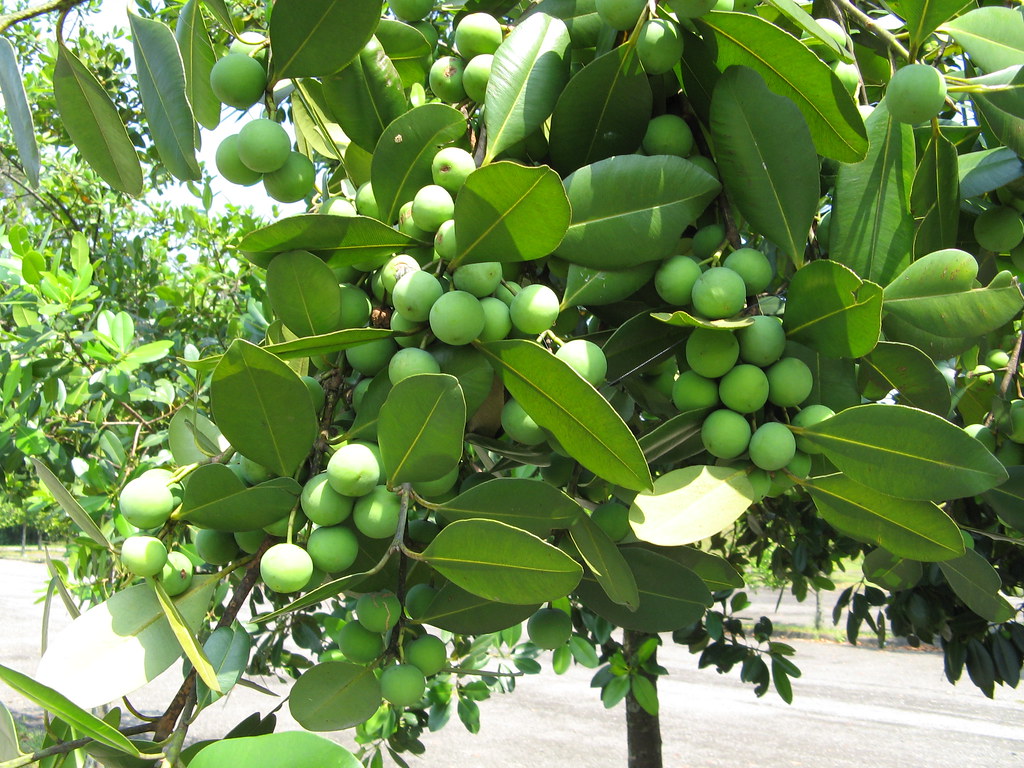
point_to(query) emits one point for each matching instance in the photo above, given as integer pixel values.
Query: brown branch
(8, 20)
(70, 746)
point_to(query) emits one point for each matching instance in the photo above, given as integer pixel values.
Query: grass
(32, 553)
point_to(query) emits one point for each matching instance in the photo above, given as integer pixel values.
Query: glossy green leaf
(833, 311)
(70, 504)
(227, 649)
(925, 16)
(405, 150)
(713, 569)
(559, 400)
(314, 127)
(420, 428)
(215, 497)
(988, 169)
(471, 368)
(18, 113)
(533, 505)
(909, 371)
(219, 9)
(407, 48)
(288, 749)
(334, 695)
(683, 319)
(9, 747)
(529, 71)
(94, 125)
(803, 20)
(509, 212)
(977, 583)
(192, 437)
(263, 408)
(304, 293)
(1007, 499)
(185, 637)
(790, 69)
(580, 16)
(594, 287)
(309, 38)
(766, 159)
(456, 610)
(605, 562)
(343, 240)
(366, 96)
(161, 75)
(121, 644)
(913, 529)
(681, 432)
(935, 197)
(630, 209)
(198, 58)
(993, 37)
(314, 597)
(310, 346)
(86, 723)
(365, 425)
(640, 343)
(501, 563)
(691, 504)
(872, 227)
(890, 572)
(671, 595)
(1002, 107)
(603, 111)
(905, 452)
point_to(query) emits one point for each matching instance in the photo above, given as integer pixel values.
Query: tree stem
(8, 20)
(643, 730)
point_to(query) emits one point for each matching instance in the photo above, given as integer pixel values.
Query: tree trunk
(643, 731)
(24, 535)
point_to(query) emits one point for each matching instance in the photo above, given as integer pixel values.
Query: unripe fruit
(402, 684)
(549, 628)
(790, 382)
(620, 14)
(146, 502)
(409, 362)
(675, 278)
(711, 352)
(445, 79)
(215, 547)
(238, 81)
(772, 446)
(659, 46)
(807, 417)
(497, 320)
(476, 34)
(372, 357)
(725, 434)
(376, 514)
(848, 74)
(378, 611)
(418, 599)
(395, 269)
(999, 229)
(719, 293)
(355, 306)
(744, 389)
(354, 470)
(431, 207)
(915, 93)
(586, 358)
(176, 575)
(707, 240)
(753, 266)
(691, 9)
(476, 76)
(263, 145)
(286, 568)
(316, 392)
(253, 473)
(143, 555)
(230, 165)
(250, 541)
(980, 433)
(333, 549)
(292, 181)
(280, 527)
(691, 391)
(414, 295)
(360, 645)
(450, 167)
(518, 425)
(456, 318)
(478, 279)
(411, 10)
(446, 246)
(338, 206)
(612, 518)
(427, 653)
(668, 135)
(762, 342)
(534, 309)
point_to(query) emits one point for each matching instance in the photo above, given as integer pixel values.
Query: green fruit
(719, 293)
(292, 181)
(253, 473)
(659, 46)
(790, 382)
(431, 207)
(753, 266)
(807, 417)
(915, 93)
(711, 352)
(263, 145)
(476, 77)
(534, 309)
(519, 425)
(620, 14)
(549, 628)
(477, 34)
(497, 320)
(402, 684)
(456, 318)
(981, 433)
(354, 470)
(338, 206)
(763, 341)
(450, 168)
(333, 549)
(429, 31)
(999, 229)
(286, 568)
(411, 10)
(668, 135)
(316, 392)
(279, 528)
(997, 359)
(612, 518)
(146, 502)
(215, 547)
(238, 81)
(586, 358)
(414, 295)
(418, 599)
(176, 575)
(372, 357)
(376, 514)
(360, 645)
(445, 243)
(848, 74)
(725, 434)
(772, 446)
(705, 164)
(1017, 421)
(478, 279)
(691, 9)
(366, 203)
(410, 362)
(143, 555)
(416, 331)
(691, 391)
(675, 278)
(427, 653)
(707, 240)
(378, 611)
(445, 79)
(230, 165)
(744, 389)
(355, 306)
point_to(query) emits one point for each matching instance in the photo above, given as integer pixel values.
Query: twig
(68, 746)
(872, 26)
(8, 20)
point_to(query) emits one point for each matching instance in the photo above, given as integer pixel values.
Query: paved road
(853, 707)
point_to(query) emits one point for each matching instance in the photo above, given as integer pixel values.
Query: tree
(594, 305)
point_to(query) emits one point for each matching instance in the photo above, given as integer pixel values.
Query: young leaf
(288, 749)
(310, 38)
(334, 695)
(605, 562)
(645, 693)
(70, 504)
(227, 650)
(193, 651)
(19, 115)
(198, 58)
(977, 583)
(533, 505)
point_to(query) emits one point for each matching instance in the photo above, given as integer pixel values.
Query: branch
(872, 26)
(68, 746)
(8, 20)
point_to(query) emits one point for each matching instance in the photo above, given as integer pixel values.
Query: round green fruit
(772, 446)
(848, 74)
(620, 14)
(143, 555)
(725, 434)
(360, 645)
(612, 518)
(549, 628)
(230, 165)
(586, 358)
(534, 309)
(355, 306)
(411, 10)
(446, 246)
(763, 341)
(790, 382)
(280, 527)
(983, 434)
(427, 653)
(999, 229)
(477, 34)
(707, 240)
(376, 514)
(316, 392)
(445, 79)
(338, 206)
(450, 168)
(431, 207)
(915, 93)
(333, 549)
(176, 575)
(518, 425)
(659, 46)
(476, 77)
(691, 9)
(456, 318)
(711, 352)
(238, 81)
(146, 502)
(354, 470)
(250, 541)
(215, 547)
(418, 599)
(753, 266)
(691, 391)
(414, 295)
(292, 181)
(478, 279)
(744, 389)
(668, 135)
(497, 320)
(808, 417)
(675, 278)
(263, 145)
(378, 611)
(286, 568)
(719, 293)
(372, 357)
(410, 362)
(402, 684)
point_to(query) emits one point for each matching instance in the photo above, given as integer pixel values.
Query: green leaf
(192, 438)
(833, 311)
(70, 504)
(420, 428)
(977, 583)
(580, 16)
(456, 610)
(219, 9)
(605, 562)
(792, 70)
(691, 504)
(803, 20)
(86, 723)
(890, 572)
(1002, 107)
(343, 240)
(304, 293)
(309, 38)
(215, 497)
(288, 749)
(1007, 499)
(993, 37)
(404, 152)
(559, 400)
(905, 452)
(914, 529)
(501, 563)
(508, 212)
(766, 159)
(334, 695)
(988, 169)
(532, 505)
(630, 209)
(263, 408)
(198, 58)
(161, 74)
(408, 50)
(683, 319)
(667, 442)
(121, 644)
(227, 650)
(19, 115)
(715, 571)
(603, 111)
(641, 343)
(645, 693)
(894, 366)
(925, 16)
(9, 747)
(366, 96)
(671, 595)
(528, 72)
(872, 227)
(935, 197)
(186, 639)
(594, 287)
(94, 125)
(313, 597)
(471, 368)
